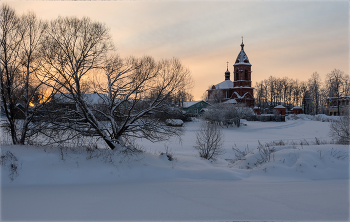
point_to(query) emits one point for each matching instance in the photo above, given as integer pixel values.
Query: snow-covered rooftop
(188, 104)
(279, 107)
(93, 98)
(227, 84)
(231, 101)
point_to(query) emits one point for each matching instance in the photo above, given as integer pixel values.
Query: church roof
(242, 58)
(227, 84)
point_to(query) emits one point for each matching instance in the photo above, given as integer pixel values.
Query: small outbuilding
(296, 110)
(257, 110)
(280, 110)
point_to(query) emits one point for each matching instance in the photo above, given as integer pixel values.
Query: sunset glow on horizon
(282, 39)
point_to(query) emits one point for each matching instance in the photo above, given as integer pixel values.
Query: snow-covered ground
(302, 181)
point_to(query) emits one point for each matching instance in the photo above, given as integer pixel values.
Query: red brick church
(238, 91)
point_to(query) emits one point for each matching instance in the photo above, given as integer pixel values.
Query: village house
(195, 108)
(334, 102)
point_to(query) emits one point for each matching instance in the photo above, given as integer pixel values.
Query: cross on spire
(242, 45)
(227, 65)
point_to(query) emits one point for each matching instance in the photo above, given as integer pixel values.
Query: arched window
(237, 75)
(246, 74)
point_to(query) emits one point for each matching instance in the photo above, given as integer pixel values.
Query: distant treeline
(314, 92)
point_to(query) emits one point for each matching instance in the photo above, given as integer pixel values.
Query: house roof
(280, 107)
(189, 104)
(93, 98)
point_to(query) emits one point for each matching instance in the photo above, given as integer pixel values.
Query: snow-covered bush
(168, 154)
(240, 154)
(209, 141)
(265, 153)
(174, 122)
(228, 114)
(339, 130)
(318, 117)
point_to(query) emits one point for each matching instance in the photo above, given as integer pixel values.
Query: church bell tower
(242, 84)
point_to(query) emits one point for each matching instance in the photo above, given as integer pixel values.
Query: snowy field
(306, 179)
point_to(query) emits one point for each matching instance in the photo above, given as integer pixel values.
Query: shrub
(10, 161)
(339, 130)
(240, 154)
(265, 153)
(209, 141)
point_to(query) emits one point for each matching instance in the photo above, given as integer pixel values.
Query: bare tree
(296, 93)
(130, 90)
(303, 94)
(11, 39)
(285, 88)
(182, 96)
(33, 90)
(271, 84)
(209, 140)
(21, 91)
(260, 98)
(72, 49)
(335, 84)
(137, 91)
(314, 88)
(216, 96)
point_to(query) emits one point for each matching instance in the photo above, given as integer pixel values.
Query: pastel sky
(282, 38)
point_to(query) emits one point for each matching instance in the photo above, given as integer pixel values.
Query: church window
(237, 75)
(246, 74)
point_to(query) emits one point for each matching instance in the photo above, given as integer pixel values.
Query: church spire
(242, 45)
(242, 57)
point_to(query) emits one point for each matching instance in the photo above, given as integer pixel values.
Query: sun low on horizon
(282, 39)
